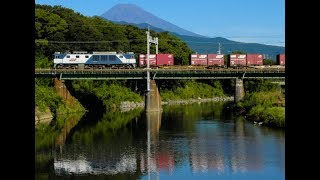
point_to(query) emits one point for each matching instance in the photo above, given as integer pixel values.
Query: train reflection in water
(146, 146)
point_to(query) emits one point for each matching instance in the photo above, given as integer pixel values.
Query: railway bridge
(188, 72)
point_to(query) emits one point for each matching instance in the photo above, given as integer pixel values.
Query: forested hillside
(61, 29)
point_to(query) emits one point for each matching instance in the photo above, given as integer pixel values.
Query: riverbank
(43, 117)
(129, 105)
(198, 100)
(264, 108)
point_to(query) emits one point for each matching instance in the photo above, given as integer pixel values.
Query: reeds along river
(197, 141)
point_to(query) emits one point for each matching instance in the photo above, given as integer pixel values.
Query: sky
(257, 21)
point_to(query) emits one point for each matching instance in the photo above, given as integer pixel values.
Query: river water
(198, 141)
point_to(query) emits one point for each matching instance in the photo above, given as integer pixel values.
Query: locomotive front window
(68, 56)
(87, 56)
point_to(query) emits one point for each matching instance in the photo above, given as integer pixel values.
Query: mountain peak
(127, 6)
(132, 13)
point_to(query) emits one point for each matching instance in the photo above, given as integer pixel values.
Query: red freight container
(165, 161)
(281, 59)
(198, 60)
(143, 60)
(165, 60)
(237, 60)
(254, 60)
(216, 60)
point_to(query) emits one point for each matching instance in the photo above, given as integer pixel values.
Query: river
(198, 141)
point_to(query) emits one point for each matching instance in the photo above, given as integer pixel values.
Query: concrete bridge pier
(63, 92)
(239, 90)
(152, 98)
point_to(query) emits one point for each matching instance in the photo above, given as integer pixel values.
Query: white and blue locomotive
(84, 60)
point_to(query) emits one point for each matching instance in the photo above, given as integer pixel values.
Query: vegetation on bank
(46, 96)
(190, 89)
(110, 92)
(265, 103)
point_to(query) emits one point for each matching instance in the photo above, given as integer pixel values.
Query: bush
(191, 90)
(265, 106)
(46, 97)
(111, 93)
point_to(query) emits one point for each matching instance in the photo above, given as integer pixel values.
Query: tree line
(56, 27)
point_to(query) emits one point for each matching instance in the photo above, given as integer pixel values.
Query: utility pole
(155, 41)
(148, 65)
(219, 50)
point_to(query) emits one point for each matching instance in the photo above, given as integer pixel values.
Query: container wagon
(281, 59)
(143, 60)
(198, 60)
(237, 60)
(164, 60)
(254, 60)
(215, 60)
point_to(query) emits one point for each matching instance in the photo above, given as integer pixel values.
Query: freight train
(84, 60)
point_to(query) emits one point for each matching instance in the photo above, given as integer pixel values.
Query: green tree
(268, 62)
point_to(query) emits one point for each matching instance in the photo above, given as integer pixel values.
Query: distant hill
(134, 15)
(131, 13)
(210, 45)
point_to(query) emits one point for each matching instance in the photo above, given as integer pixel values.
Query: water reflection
(153, 123)
(105, 148)
(51, 136)
(185, 141)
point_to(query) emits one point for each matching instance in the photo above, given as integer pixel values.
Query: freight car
(281, 59)
(84, 60)
(207, 60)
(198, 60)
(216, 60)
(143, 60)
(245, 60)
(156, 60)
(233, 60)
(237, 60)
(254, 60)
